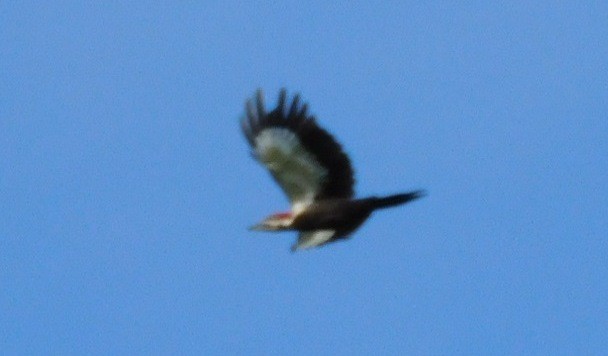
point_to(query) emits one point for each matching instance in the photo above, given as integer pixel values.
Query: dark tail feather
(398, 199)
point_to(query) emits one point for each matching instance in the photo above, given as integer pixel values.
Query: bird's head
(274, 222)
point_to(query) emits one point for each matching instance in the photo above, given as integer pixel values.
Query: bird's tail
(397, 199)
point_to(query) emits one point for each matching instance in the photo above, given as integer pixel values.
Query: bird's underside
(313, 171)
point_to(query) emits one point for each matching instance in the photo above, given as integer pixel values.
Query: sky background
(126, 187)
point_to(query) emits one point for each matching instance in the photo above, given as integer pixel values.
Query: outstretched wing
(304, 159)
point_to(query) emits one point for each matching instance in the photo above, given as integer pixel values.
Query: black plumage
(313, 170)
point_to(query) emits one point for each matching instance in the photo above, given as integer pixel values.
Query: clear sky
(126, 187)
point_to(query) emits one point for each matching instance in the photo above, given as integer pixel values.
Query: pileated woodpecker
(314, 172)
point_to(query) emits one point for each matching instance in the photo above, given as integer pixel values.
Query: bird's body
(314, 172)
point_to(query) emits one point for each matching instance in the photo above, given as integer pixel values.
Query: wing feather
(304, 159)
(311, 239)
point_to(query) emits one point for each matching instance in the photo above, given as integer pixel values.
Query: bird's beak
(257, 227)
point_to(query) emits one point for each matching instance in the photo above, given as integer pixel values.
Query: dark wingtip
(252, 117)
(259, 100)
(295, 104)
(303, 110)
(282, 100)
(246, 128)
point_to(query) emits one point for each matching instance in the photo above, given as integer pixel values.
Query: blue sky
(126, 187)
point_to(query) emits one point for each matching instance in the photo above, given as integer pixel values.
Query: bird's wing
(312, 239)
(304, 159)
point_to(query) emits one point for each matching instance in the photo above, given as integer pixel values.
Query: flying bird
(313, 171)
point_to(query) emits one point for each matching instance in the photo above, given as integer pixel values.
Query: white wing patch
(312, 239)
(297, 171)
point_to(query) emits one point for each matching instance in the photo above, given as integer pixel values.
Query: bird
(313, 171)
